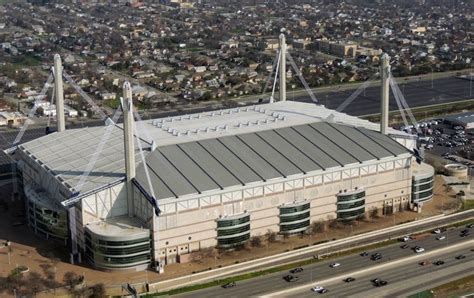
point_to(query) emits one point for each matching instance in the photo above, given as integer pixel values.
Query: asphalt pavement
(321, 270)
(403, 278)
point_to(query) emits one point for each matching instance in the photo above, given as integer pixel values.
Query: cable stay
(272, 98)
(85, 96)
(50, 104)
(300, 76)
(142, 124)
(274, 68)
(100, 147)
(154, 201)
(356, 93)
(46, 86)
(399, 103)
(404, 103)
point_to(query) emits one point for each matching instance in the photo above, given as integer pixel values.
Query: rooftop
(465, 118)
(264, 148)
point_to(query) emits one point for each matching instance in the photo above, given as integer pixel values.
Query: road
(274, 283)
(404, 278)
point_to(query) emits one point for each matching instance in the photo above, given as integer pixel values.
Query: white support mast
(282, 69)
(58, 88)
(384, 75)
(128, 129)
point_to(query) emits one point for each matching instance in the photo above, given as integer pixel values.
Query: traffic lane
(366, 241)
(275, 282)
(372, 239)
(416, 93)
(363, 286)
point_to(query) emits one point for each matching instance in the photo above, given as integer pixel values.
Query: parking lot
(450, 142)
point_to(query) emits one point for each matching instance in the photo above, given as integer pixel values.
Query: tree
(256, 241)
(71, 279)
(98, 291)
(374, 213)
(271, 236)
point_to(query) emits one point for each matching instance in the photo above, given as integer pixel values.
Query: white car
(419, 249)
(334, 265)
(316, 288)
(437, 231)
(441, 237)
(406, 238)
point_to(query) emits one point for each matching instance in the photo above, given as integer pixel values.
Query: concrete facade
(187, 225)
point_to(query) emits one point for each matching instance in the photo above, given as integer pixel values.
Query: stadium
(149, 193)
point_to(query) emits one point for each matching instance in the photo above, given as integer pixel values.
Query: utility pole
(282, 67)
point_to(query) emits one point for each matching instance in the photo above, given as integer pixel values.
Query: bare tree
(256, 241)
(374, 213)
(317, 227)
(271, 236)
(98, 291)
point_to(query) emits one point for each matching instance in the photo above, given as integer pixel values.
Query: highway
(403, 278)
(417, 93)
(273, 283)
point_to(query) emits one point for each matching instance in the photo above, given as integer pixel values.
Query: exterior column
(127, 107)
(384, 75)
(59, 92)
(282, 73)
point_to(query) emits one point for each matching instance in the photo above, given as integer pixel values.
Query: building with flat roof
(214, 179)
(465, 120)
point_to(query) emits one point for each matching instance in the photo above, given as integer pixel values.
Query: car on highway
(379, 282)
(406, 238)
(470, 226)
(364, 254)
(438, 263)
(464, 233)
(316, 288)
(419, 249)
(296, 270)
(290, 278)
(437, 231)
(349, 279)
(323, 291)
(404, 246)
(460, 257)
(229, 285)
(441, 237)
(334, 265)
